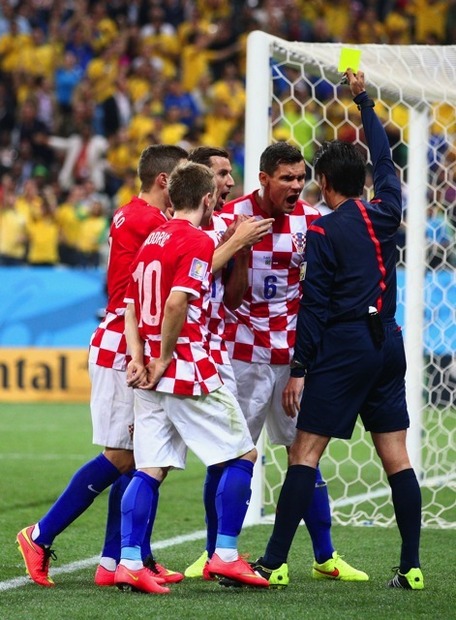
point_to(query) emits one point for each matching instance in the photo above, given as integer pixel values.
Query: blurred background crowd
(86, 85)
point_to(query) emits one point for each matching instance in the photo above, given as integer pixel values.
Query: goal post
(293, 92)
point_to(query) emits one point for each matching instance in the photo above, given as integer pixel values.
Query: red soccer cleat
(36, 558)
(142, 580)
(160, 572)
(104, 577)
(239, 570)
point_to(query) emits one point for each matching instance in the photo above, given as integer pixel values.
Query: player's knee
(250, 456)
(123, 460)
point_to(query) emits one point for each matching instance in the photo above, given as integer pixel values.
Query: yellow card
(349, 59)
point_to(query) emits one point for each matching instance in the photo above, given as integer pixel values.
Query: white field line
(75, 566)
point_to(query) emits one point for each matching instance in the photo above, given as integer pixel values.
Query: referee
(349, 349)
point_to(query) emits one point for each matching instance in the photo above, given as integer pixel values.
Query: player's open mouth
(292, 199)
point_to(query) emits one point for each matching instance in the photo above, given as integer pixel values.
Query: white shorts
(212, 426)
(227, 375)
(111, 407)
(260, 388)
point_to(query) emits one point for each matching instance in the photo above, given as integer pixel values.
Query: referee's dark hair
(343, 166)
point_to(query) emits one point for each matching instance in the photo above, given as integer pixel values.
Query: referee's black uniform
(354, 365)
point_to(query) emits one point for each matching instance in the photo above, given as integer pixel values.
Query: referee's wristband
(363, 101)
(297, 369)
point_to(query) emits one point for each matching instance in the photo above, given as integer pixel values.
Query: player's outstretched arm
(246, 233)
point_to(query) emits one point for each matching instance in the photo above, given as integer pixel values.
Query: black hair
(343, 165)
(203, 154)
(158, 158)
(279, 153)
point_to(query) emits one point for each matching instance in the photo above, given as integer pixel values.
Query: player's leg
(110, 428)
(220, 436)
(211, 482)
(157, 446)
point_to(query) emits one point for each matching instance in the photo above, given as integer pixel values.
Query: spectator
(93, 233)
(84, 157)
(70, 225)
(43, 234)
(176, 97)
(13, 235)
(66, 77)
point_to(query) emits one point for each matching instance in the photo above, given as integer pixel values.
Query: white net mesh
(306, 105)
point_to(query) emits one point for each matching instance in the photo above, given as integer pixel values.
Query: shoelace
(49, 554)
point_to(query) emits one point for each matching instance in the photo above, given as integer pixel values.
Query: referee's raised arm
(387, 186)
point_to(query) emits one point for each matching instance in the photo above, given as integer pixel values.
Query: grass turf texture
(43, 444)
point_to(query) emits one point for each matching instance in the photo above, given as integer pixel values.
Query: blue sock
(318, 521)
(294, 499)
(136, 510)
(213, 476)
(86, 484)
(111, 547)
(146, 546)
(232, 497)
(406, 496)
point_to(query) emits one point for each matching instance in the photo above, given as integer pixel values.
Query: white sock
(132, 564)
(227, 555)
(108, 563)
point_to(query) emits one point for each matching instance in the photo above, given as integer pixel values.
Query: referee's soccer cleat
(142, 580)
(413, 580)
(196, 569)
(336, 568)
(240, 572)
(36, 558)
(277, 577)
(160, 572)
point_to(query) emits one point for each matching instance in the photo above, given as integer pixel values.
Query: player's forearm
(135, 343)
(225, 251)
(173, 321)
(238, 282)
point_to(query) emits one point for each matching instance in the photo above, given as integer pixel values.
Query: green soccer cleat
(413, 580)
(277, 577)
(195, 570)
(336, 568)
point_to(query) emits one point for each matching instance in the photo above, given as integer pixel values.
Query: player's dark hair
(343, 165)
(203, 154)
(279, 153)
(158, 158)
(187, 185)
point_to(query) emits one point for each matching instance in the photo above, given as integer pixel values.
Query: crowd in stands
(86, 85)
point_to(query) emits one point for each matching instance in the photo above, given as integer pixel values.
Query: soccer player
(111, 400)
(349, 352)
(227, 290)
(180, 400)
(261, 336)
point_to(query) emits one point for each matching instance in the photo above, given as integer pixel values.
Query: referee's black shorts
(351, 376)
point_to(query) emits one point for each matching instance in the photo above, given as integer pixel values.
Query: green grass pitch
(43, 444)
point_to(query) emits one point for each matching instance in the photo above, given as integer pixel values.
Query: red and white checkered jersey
(130, 226)
(216, 308)
(176, 257)
(263, 328)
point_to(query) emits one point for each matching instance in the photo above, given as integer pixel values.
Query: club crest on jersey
(299, 241)
(198, 269)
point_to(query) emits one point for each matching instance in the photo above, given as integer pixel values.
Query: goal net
(294, 93)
